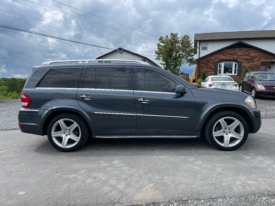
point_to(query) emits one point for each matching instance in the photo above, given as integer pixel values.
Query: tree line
(11, 87)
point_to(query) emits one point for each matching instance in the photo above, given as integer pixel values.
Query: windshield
(223, 79)
(265, 77)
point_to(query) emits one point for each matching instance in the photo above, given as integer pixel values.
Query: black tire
(211, 123)
(84, 134)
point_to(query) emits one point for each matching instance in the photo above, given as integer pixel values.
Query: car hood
(266, 83)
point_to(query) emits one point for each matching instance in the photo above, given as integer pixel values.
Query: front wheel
(226, 131)
(67, 132)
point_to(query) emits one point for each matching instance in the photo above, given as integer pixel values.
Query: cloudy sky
(20, 51)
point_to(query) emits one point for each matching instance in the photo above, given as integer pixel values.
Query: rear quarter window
(65, 77)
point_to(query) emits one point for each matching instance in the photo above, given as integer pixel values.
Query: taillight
(236, 85)
(26, 101)
(210, 85)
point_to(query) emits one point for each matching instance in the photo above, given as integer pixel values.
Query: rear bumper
(30, 121)
(256, 119)
(265, 93)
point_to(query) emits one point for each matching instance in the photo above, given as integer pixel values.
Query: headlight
(261, 87)
(249, 100)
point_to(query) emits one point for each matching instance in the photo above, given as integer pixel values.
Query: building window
(204, 47)
(228, 68)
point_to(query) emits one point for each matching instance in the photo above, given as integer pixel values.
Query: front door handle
(144, 101)
(85, 97)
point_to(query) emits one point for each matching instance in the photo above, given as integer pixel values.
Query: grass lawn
(4, 98)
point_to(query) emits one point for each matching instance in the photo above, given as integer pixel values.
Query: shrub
(203, 76)
(15, 96)
(3, 90)
(245, 70)
(12, 93)
(199, 82)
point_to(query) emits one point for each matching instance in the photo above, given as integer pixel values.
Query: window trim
(221, 70)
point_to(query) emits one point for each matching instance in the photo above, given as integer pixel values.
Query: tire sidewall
(212, 122)
(83, 127)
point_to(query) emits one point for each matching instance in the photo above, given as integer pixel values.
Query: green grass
(4, 98)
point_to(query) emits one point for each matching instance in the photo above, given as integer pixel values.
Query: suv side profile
(73, 102)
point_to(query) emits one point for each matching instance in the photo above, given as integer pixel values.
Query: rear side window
(147, 80)
(107, 78)
(60, 78)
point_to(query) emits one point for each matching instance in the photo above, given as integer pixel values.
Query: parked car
(73, 101)
(220, 82)
(258, 84)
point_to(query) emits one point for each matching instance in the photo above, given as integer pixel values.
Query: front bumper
(265, 93)
(256, 119)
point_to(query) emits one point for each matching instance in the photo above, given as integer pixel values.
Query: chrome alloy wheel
(228, 132)
(66, 133)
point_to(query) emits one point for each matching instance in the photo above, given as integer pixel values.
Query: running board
(142, 136)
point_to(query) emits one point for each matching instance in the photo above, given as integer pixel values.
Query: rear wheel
(226, 130)
(67, 132)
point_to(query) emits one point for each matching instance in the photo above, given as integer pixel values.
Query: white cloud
(3, 70)
(20, 76)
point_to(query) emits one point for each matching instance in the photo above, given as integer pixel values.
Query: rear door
(107, 96)
(159, 109)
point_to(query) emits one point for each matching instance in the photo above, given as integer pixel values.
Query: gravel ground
(244, 201)
(9, 111)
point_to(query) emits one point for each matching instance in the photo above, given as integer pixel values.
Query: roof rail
(99, 61)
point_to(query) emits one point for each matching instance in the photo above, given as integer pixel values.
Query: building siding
(266, 44)
(250, 57)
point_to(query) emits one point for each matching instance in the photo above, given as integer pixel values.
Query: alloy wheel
(228, 132)
(66, 133)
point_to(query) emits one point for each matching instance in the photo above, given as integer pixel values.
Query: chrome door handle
(144, 101)
(85, 97)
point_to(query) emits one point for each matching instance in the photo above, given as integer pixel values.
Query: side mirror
(180, 90)
(249, 79)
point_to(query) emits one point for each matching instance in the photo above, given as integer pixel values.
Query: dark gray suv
(71, 102)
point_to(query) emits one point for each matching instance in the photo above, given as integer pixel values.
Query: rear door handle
(144, 101)
(85, 97)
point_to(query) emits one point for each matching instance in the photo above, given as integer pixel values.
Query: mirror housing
(180, 90)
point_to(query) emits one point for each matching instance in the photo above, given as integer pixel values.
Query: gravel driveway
(9, 111)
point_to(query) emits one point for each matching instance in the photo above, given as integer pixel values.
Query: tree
(245, 70)
(175, 51)
(203, 75)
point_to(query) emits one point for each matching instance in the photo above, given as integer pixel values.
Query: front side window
(147, 80)
(228, 68)
(64, 78)
(112, 78)
(204, 47)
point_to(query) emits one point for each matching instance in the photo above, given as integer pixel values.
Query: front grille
(270, 88)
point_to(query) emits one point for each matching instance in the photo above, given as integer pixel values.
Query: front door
(159, 109)
(107, 96)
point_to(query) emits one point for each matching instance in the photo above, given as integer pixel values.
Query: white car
(220, 82)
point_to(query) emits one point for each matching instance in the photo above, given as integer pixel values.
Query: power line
(103, 18)
(54, 37)
(57, 25)
(83, 18)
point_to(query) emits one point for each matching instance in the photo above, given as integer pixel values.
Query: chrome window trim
(54, 88)
(147, 136)
(98, 89)
(28, 110)
(145, 115)
(154, 92)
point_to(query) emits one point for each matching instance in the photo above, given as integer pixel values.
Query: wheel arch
(54, 112)
(238, 110)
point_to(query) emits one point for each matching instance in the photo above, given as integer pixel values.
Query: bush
(3, 90)
(15, 96)
(203, 76)
(199, 82)
(245, 70)
(12, 93)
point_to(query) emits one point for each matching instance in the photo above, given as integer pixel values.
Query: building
(121, 53)
(228, 52)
